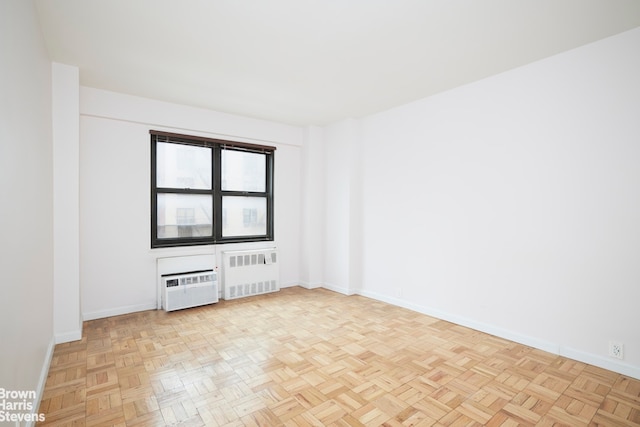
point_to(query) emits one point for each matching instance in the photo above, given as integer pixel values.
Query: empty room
(322, 213)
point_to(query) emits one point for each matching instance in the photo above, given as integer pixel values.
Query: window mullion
(217, 192)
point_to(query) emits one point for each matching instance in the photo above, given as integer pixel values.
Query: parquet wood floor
(314, 357)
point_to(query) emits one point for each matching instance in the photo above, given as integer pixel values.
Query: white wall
(510, 205)
(26, 201)
(118, 268)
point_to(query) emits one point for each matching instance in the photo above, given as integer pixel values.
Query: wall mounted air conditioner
(190, 289)
(250, 272)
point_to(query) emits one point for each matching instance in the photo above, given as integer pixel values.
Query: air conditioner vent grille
(185, 290)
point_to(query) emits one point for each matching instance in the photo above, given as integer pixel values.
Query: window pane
(184, 215)
(242, 171)
(183, 166)
(244, 216)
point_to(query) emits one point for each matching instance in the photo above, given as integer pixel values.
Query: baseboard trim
(101, 314)
(308, 285)
(68, 336)
(339, 289)
(601, 362)
(42, 380)
(548, 346)
(469, 323)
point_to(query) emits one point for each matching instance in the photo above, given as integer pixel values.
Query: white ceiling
(313, 61)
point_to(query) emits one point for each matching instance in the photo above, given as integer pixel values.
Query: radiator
(250, 272)
(191, 289)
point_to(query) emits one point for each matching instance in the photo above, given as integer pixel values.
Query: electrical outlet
(616, 349)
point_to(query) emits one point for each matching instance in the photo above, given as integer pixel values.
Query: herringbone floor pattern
(313, 357)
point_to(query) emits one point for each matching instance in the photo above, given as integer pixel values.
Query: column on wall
(313, 201)
(67, 321)
(343, 207)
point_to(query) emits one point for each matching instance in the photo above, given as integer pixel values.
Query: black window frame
(216, 192)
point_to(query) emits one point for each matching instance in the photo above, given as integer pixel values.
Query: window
(206, 191)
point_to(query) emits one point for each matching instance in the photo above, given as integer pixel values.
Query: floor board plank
(314, 357)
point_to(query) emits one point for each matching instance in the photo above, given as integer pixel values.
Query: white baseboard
(469, 323)
(308, 285)
(68, 336)
(101, 314)
(42, 380)
(340, 289)
(548, 346)
(601, 362)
